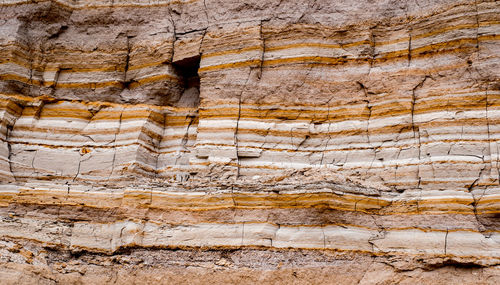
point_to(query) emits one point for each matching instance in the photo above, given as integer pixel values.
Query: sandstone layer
(333, 142)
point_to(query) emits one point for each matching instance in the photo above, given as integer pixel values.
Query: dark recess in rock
(187, 69)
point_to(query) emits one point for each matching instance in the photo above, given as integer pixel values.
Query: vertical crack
(445, 241)
(30, 52)
(127, 60)
(56, 80)
(328, 130)
(186, 135)
(174, 31)
(33, 162)
(381, 232)
(493, 161)
(201, 42)
(78, 170)
(238, 123)
(369, 108)
(409, 47)
(477, 25)
(415, 129)
(475, 201)
(372, 49)
(263, 42)
(410, 30)
(9, 148)
(9, 126)
(53, 86)
(185, 139)
(232, 198)
(159, 144)
(204, 30)
(206, 12)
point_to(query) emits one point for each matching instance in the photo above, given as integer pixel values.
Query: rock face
(266, 141)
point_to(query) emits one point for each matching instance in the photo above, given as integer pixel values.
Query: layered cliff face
(256, 141)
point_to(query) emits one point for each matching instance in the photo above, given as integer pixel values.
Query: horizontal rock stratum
(271, 141)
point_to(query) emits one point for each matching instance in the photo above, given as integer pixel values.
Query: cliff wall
(250, 141)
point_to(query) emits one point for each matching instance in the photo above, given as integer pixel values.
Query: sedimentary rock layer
(106, 221)
(366, 129)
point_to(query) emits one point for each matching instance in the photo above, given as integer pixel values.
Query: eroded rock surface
(285, 141)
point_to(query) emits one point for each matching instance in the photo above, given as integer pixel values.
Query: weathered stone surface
(294, 140)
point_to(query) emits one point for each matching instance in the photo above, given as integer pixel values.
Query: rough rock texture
(271, 141)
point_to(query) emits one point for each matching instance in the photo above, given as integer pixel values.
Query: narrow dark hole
(187, 69)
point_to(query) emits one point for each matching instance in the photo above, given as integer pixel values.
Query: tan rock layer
(430, 203)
